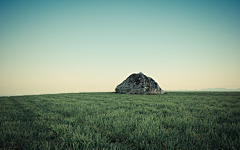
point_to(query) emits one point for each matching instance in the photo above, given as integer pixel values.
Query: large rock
(139, 84)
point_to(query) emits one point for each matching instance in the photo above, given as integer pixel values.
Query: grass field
(178, 120)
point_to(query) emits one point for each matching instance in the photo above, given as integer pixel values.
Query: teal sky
(90, 46)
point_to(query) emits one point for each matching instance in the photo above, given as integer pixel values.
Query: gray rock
(139, 84)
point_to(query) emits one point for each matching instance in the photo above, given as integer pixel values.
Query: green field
(178, 120)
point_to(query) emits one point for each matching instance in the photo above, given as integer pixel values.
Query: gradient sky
(90, 46)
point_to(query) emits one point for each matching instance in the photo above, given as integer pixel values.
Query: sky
(92, 46)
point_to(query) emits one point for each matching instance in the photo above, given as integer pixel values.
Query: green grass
(178, 120)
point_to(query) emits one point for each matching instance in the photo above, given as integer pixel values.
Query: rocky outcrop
(139, 84)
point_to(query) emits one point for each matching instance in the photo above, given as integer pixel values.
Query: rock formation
(139, 84)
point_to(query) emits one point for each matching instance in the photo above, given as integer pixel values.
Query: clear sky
(90, 46)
